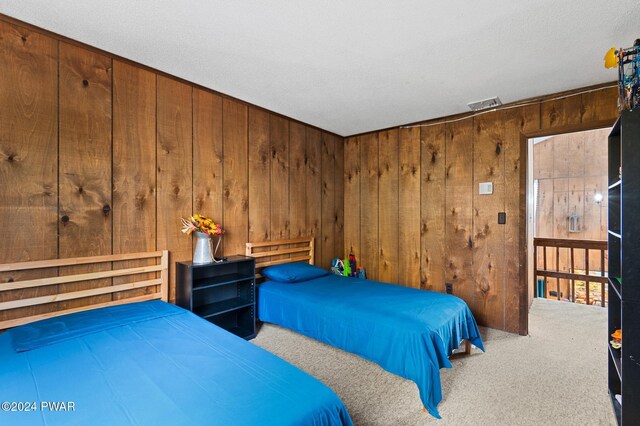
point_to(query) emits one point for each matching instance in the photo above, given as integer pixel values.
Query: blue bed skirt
(408, 332)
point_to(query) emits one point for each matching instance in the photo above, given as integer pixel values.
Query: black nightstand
(223, 293)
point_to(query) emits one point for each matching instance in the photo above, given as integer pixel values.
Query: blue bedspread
(408, 332)
(152, 363)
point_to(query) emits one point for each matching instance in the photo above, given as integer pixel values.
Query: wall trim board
(113, 56)
(516, 104)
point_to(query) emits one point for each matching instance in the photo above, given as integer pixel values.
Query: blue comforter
(152, 363)
(406, 331)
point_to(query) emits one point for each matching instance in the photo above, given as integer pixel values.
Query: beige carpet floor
(555, 376)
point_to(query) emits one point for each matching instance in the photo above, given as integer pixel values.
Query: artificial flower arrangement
(199, 223)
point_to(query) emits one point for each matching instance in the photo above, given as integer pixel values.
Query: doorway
(567, 217)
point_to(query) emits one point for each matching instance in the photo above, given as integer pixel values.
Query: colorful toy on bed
(353, 263)
(347, 267)
(361, 273)
(628, 63)
(337, 266)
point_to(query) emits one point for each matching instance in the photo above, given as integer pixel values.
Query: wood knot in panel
(140, 201)
(582, 111)
(553, 115)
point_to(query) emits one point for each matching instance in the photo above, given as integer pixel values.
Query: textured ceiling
(355, 66)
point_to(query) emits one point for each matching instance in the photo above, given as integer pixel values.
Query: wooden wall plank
(279, 134)
(560, 207)
(235, 169)
(459, 202)
(313, 185)
(544, 208)
(352, 196)
(595, 149)
(488, 240)
(297, 179)
(595, 214)
(369, 238)
(134, 163)
(28, 156)
(207, 155)
(561, 160)
(174, 171)
(543, 159)
(338, 196)
(84, 169)
(576, 203)
(561, 113)
(259, 176)
(409, 208)
(518, 121)
(600, 106)
(575, 152)
(432, 207)
(328, 201)
(388, 206)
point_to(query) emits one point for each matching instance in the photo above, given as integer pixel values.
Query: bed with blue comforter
(151, 363)
(408, 332)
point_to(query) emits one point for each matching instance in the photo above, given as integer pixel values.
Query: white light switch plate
(486, 188)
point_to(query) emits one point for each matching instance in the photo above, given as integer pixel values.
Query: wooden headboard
(282, 251)
(159, 286)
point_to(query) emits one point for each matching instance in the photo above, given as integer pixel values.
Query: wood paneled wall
(570, 170)
(99, 155)
(412, 212)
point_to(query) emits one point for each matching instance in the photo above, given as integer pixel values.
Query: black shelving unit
(624, 265)
(223, 293)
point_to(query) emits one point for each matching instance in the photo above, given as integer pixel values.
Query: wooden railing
(542, 244)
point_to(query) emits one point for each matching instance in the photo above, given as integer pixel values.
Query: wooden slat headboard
(282, 251)
(161, 267)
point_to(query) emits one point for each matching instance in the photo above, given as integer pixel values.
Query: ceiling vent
(485, 104)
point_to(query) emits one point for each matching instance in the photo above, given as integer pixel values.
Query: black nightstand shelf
(222, 293)
(624, 252)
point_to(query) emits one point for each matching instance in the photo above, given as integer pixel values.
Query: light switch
(502, 218)
(486, 188)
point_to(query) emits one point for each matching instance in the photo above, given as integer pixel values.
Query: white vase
(202, 253)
